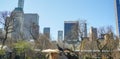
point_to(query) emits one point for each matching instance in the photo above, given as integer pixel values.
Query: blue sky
(53, 13)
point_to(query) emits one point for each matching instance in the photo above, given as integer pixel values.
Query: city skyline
(54, 13)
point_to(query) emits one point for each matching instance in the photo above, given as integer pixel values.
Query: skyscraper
(1, 32)
(93, 33)
(31, 25)
(27, 25)
(21, 4)
(46, 32)
(85, 30)
(19, 19)
(71, 31)
(117, 13)
(60, 35)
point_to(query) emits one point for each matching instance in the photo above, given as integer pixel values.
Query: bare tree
(101, 47)
(111, 46)
(104, 30)
(7, 21)
(76, 33)
(40, 40)
(44, 42)
(82, 29)
(108, 40)
(73, 35)
(32, 32)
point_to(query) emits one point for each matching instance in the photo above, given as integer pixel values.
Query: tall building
(71, 31)
(1, 32)
(26, 24)
(18, 24)
(60, 38)
(21, 4)
(117, 13)
(85, 30)
(46, 32)
(31, 25)
(60, 35)
(93, 33)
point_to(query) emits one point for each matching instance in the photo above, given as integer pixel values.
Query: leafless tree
(40, 40)
(31, 30)
(45, 43)
(104, 30)
(77, 33)
(7, 21)
(109, 42)
(82, 29)
(111, 46)
(101, 47)
(73, 35)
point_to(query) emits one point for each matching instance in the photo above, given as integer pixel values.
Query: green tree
(21, 48)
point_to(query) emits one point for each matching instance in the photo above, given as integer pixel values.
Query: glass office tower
(69, 33)
(46, 32)
(60, 35)
(21, 4)
(117, 13)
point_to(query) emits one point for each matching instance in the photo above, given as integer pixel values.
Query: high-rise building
(85, 29)
(31, 25)
(46, 32)
(18, 24)
(19, 19)
(21, 4)
(117, 13)
(93, 33)
(60, 38)
(60, 35)
(71, 31)
(26, 25)
(1, 32)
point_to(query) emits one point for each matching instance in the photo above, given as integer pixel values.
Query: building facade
(18, 15)
(1, 32)
(93, 33)
(21, 4)
(85, 29)
(60, 35)
(117, 14)
(26, 25)
(46, 32)
(71, 31)
(31, 26)
(18, 23)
